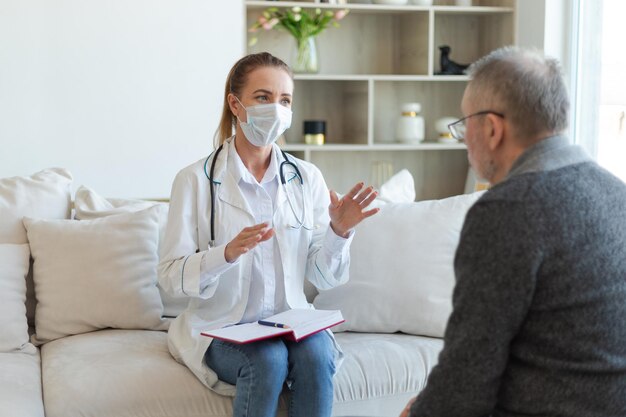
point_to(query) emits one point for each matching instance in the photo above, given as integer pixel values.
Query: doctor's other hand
(406, 412)
(246, 240)
(347, 212)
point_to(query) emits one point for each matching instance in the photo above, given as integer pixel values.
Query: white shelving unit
(380, 57)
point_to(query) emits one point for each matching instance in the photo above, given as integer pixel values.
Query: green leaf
(311, 22)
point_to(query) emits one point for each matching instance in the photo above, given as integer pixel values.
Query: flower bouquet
(303, 25)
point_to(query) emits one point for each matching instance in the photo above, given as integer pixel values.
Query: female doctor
(246, 226)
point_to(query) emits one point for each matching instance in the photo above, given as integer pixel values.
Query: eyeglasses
(458, 128)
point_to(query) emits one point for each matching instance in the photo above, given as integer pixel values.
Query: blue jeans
(259, 370)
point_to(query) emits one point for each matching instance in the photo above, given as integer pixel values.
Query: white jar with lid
(441, 126)
(410, 126)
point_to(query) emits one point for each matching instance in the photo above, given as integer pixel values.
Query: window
(612, 106)
(600, 92)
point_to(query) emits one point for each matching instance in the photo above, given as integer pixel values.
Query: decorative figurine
(448, 66)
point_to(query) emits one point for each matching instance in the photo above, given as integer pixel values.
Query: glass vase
(305, 60)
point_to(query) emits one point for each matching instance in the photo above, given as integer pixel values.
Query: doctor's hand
(247, 240)
(347, 212)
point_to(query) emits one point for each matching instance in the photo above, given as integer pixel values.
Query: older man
(539, 320)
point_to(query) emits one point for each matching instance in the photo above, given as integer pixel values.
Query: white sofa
(91, 354)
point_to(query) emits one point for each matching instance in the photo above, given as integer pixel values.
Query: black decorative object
(448, 66)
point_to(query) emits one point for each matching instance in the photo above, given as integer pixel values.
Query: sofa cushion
(402, 265)
(124, 373)
(381, 372)
(47, 195)
(95, 274)
(13, 326)
(119, 373)
(90, 205)
(20, 385)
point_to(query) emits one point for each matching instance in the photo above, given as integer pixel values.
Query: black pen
(272, 324)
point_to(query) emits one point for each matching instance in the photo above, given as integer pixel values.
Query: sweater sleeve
(495, 266)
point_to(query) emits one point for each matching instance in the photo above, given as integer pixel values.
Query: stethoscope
(281, 170)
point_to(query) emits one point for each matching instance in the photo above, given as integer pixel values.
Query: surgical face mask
(266, 122)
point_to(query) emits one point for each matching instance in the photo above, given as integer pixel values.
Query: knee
(316, 355)
(269, 361)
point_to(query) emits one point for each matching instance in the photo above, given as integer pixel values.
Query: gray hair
(524, 85)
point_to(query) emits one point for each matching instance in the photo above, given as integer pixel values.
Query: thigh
(228, 360)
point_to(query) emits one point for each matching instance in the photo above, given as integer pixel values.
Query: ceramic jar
(410, 125)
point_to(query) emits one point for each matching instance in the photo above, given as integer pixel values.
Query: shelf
(413, 38)
(436, 173)
(471, 36)
(342, 104)
(389, 44)
(378, 8)
(379, 58)
(438, 99)
(425, 146)
(374, 77)
(471, 10)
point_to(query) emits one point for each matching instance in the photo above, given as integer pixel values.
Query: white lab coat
(222, 299)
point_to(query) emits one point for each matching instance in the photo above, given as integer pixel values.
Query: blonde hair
(236, 80)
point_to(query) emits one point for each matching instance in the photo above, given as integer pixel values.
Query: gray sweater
(539, 320)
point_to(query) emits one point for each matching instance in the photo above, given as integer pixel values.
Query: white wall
(547, 26)
(123, 93)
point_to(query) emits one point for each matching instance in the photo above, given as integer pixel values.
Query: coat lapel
(228, 190)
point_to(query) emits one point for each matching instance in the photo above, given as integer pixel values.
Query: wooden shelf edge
(367, 77)
(379, 8)
(428, 146)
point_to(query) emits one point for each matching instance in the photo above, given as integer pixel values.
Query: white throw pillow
(95, 274)
(401, 269)
(400, 188)
(46, 195)
(13, 326)
(90, 205)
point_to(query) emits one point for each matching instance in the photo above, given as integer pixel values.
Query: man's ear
(495, 129)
